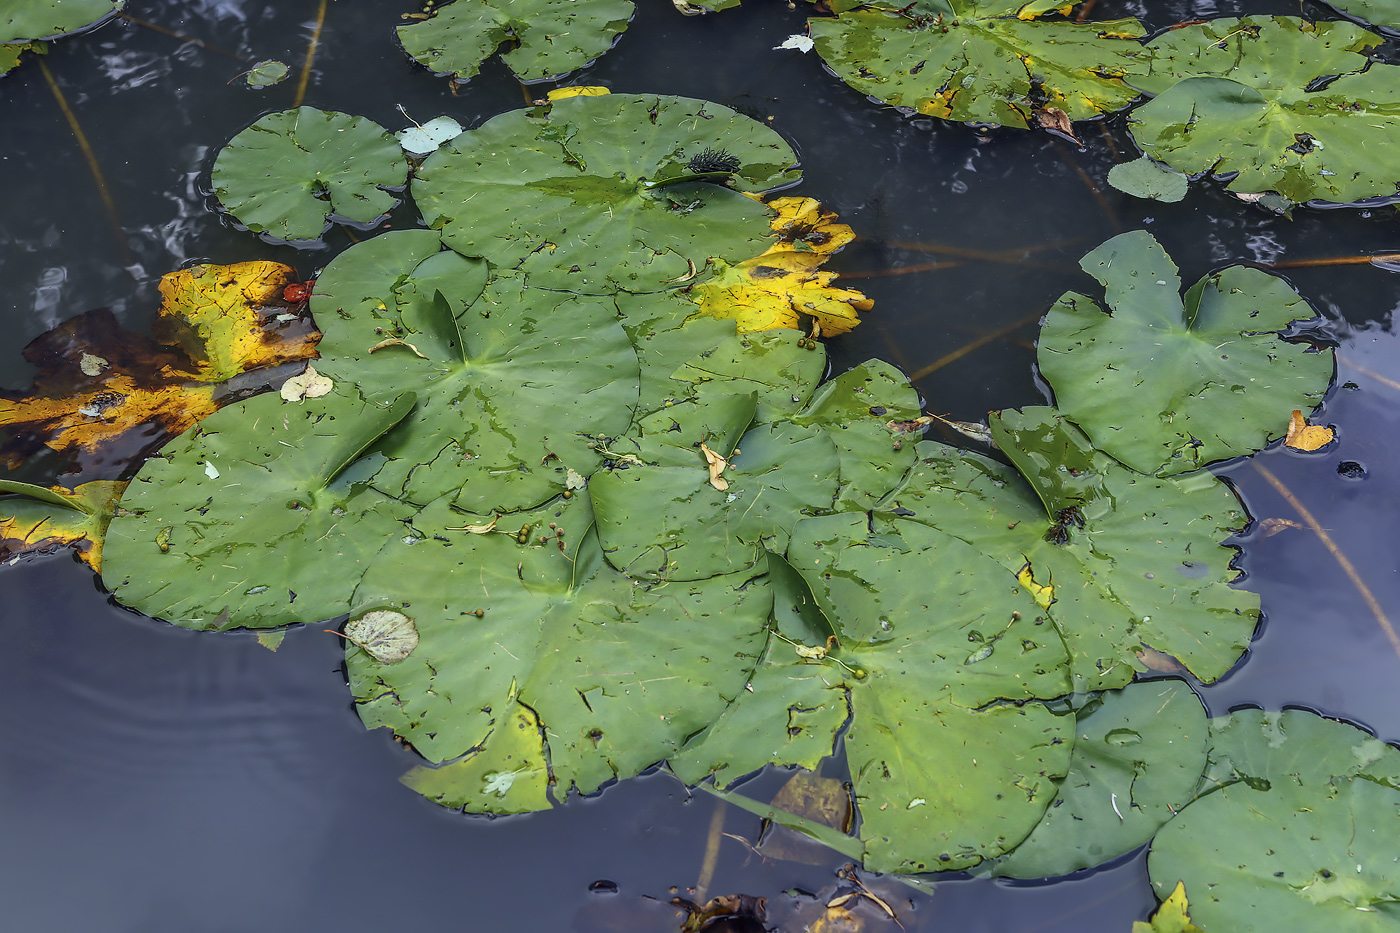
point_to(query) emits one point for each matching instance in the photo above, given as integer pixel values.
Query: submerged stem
(310, 56)
(1347, 566)
(91, 158)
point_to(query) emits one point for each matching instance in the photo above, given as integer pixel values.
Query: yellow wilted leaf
(1043, 593)
(1304, 436)
(225, 318)
(33, 526)
(785, 285)
(1171, 917)
(583, 91)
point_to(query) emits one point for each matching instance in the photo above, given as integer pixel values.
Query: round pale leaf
(387, 635)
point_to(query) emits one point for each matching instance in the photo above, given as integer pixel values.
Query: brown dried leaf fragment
(717, 465)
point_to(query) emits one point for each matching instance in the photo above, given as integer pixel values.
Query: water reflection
(160, 780)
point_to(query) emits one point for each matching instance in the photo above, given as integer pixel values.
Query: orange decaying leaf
(784, 284)
(1304, 436)
(106, 397)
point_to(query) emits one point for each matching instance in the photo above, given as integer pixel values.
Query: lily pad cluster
(611, 531)
(587, 505)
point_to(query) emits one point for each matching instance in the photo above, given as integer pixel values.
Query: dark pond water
(156, 780)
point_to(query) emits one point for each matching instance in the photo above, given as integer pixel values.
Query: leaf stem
(1347, 566)
(310, 56)
(91, 157)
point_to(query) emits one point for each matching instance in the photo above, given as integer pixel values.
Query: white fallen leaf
(92, 365)
(499, 782)
(801, 43)
(210, 470)
(387, 635)
(309, 384)
(421, 140)
(573, 479)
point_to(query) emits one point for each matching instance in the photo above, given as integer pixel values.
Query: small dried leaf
(387, 635)
(1159, 661)
(484, 528)
(1271, 526)
(717, 465)
(1305, 436)
(395, 342)
(310, 384)
(1057, 121)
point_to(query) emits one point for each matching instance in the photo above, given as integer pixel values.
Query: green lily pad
(1144, 178)
(1303, 839)
(10, 55)
(941, 650)
(548, 37)
(25, 20)
(1259, 96)
(291, 172)
(1138, 754)
(665, 336)
(1169, 383)
(670, 522)
(661, 515)
(1384, 14)
(1146, 568)
(259, 516)
(594, 194)
(978, 61)
(753, 732)
(267, 73)
(856, 409)
(515, 385)
(771, 363)
(618, 674)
